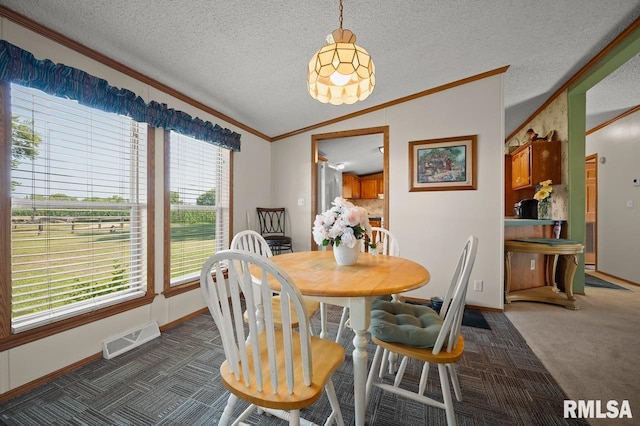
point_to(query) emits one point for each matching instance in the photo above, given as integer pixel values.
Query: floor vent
(132, 339)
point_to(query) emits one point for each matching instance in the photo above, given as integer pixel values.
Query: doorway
(591, 212)
(351, 135)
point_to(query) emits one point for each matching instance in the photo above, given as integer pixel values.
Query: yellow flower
(544, 190)
(541, 194)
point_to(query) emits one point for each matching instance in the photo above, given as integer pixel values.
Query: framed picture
(443, 164)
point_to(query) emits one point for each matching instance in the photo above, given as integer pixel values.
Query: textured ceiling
(248, 59)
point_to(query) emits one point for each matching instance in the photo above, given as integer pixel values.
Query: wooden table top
(316, 273)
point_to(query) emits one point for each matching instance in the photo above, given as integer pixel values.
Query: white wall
(251, 185)
(618, 225)
(431, 226)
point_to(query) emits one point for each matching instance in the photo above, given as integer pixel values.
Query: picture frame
(443, 164)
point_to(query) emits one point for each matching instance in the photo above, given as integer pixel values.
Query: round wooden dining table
(319, 277)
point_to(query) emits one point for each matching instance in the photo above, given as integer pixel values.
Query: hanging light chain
(340, 14)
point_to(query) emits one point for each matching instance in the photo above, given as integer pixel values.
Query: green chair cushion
(411, 325)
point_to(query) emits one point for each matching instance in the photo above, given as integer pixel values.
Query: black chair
(272, 228)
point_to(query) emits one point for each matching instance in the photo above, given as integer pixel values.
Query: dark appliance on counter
(526, 209)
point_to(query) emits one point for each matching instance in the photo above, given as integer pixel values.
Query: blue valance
(21, 67)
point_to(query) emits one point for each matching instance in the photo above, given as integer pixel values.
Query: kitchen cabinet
(510, 195)
(350, 186)
(370, 186)
(535, 162)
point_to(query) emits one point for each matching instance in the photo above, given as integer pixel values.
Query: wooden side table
(549, 293)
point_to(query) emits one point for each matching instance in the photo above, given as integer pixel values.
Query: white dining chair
(277, 370)
(386, 244)
(253, 242)
(436, 340)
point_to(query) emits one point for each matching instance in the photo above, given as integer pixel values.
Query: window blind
(78, 208)
(199, 200)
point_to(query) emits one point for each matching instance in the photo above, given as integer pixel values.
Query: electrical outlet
(477, 285)
(533, 264)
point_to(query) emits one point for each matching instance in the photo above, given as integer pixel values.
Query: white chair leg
(245, 415)
(372, 373)
(343, 322)
(312, 330)
(393, 362)
(336, 413)
(228, 410)
(294, 419)
(291, 416)
(454, 380)
(423, 378)
(383, 363)
(446, 395)
(400, 373)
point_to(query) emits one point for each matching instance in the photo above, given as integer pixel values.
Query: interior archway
(317, 138)
(626, 49)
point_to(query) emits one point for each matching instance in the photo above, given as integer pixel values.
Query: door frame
(593, 159)
(384, 130)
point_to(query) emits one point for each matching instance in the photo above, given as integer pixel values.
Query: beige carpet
(593, 353)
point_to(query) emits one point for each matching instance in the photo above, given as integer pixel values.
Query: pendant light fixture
(341, 72)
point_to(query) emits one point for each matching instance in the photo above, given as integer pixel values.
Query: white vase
(346, 255)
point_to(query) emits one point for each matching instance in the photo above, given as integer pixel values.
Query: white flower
(343, 223)
(348, 238)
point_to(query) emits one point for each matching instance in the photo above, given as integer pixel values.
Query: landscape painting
(442, 164)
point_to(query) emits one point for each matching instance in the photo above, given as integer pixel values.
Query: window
(78, 209)
(197, 216)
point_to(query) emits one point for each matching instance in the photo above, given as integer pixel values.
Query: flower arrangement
(543, 195)
(543, 190)
(344, 223)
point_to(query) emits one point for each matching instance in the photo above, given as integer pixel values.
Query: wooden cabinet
(520, 173)
(511, 196)
(350, 186)
(370, 186)
(535, 162)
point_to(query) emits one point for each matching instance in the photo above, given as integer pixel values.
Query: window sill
(67, 324)
(186, 287)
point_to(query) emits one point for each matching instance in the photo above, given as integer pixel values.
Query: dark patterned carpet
(172, 380)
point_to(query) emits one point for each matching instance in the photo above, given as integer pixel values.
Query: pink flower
(352, 216)
(344, 223)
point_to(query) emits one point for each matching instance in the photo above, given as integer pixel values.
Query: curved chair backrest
(386, 242)
(272, 221)
(251, 241)
(455, 300)
(226, 307)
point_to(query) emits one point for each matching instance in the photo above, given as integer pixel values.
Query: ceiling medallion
(341, 72)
